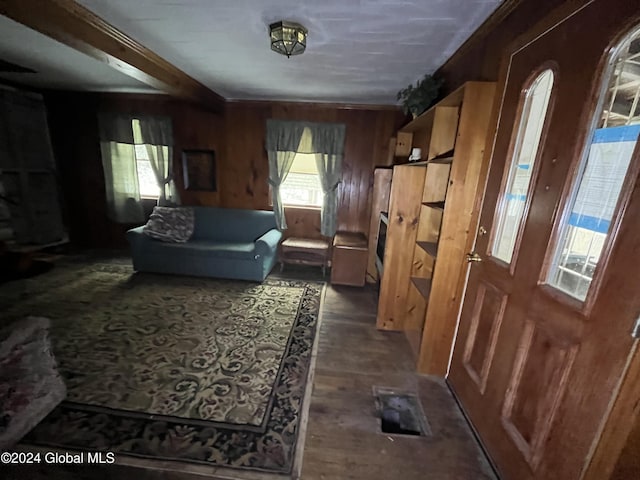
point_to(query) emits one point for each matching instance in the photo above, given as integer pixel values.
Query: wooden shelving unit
(430, 247)
(436, 205)
(423, 285)
(425, 251)
(437, 214)
(407, 186)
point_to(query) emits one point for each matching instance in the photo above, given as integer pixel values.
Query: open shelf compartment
(423, 285)
(430, 247)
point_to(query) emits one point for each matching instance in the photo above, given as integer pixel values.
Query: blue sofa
(226, 243)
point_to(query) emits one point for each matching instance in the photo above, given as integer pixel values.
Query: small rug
(174, 368)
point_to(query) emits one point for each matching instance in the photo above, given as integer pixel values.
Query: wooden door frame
(623, 412)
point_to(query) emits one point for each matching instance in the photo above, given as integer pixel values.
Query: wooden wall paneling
(349, 188)
(74, 135)
(73, 127)
(479, 57)
(379, 203)
(364, 177)
(196, 129)
(237, 138)
(245, 169)
(390, 153)
(404, 213)
(386, 127)
(193, 128)
(466, 181)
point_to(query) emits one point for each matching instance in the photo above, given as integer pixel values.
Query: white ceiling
(57, 65)
(358, 51)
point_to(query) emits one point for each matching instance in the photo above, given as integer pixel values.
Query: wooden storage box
(349, 261)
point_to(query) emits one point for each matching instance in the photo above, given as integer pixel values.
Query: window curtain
(282, 142)
(119, 164)
(156, 134)
(328, 145)
(325, 140)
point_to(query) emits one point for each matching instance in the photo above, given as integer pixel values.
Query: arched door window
(525, 149)
(592, 207)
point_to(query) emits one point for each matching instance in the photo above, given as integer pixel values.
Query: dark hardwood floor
(343, 438)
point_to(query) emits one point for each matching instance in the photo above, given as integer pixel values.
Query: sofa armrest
(268, 243)
(135, 234)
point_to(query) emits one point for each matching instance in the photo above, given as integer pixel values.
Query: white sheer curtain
(120, 172)
(279, 166)
(156, 134)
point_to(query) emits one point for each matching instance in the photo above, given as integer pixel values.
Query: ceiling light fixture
(288, 38)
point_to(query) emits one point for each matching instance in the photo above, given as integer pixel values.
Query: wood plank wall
(73, 125)
(238, 139)
(479, 58)
(245, 172)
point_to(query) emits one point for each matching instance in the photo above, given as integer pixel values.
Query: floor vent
(400, 413)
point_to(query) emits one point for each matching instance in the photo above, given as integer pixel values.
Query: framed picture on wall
(199, 170)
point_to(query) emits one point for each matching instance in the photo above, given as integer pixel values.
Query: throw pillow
(170, 224)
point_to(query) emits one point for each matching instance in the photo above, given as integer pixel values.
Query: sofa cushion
(238, 250)
(204, 249)
(231, 225)
(170, 224)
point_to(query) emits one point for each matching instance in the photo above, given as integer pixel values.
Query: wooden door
(535, 368)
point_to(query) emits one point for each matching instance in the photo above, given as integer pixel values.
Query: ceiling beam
(74, 25)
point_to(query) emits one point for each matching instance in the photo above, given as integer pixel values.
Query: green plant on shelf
(417, 98)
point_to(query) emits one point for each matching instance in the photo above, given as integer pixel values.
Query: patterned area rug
(178, 368)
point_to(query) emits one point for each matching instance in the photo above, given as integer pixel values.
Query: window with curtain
(290, 140)
(137, 161)
(146, 178)
(302, 186)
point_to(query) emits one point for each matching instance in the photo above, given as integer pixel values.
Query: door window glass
(600, 177)
(525, 153)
